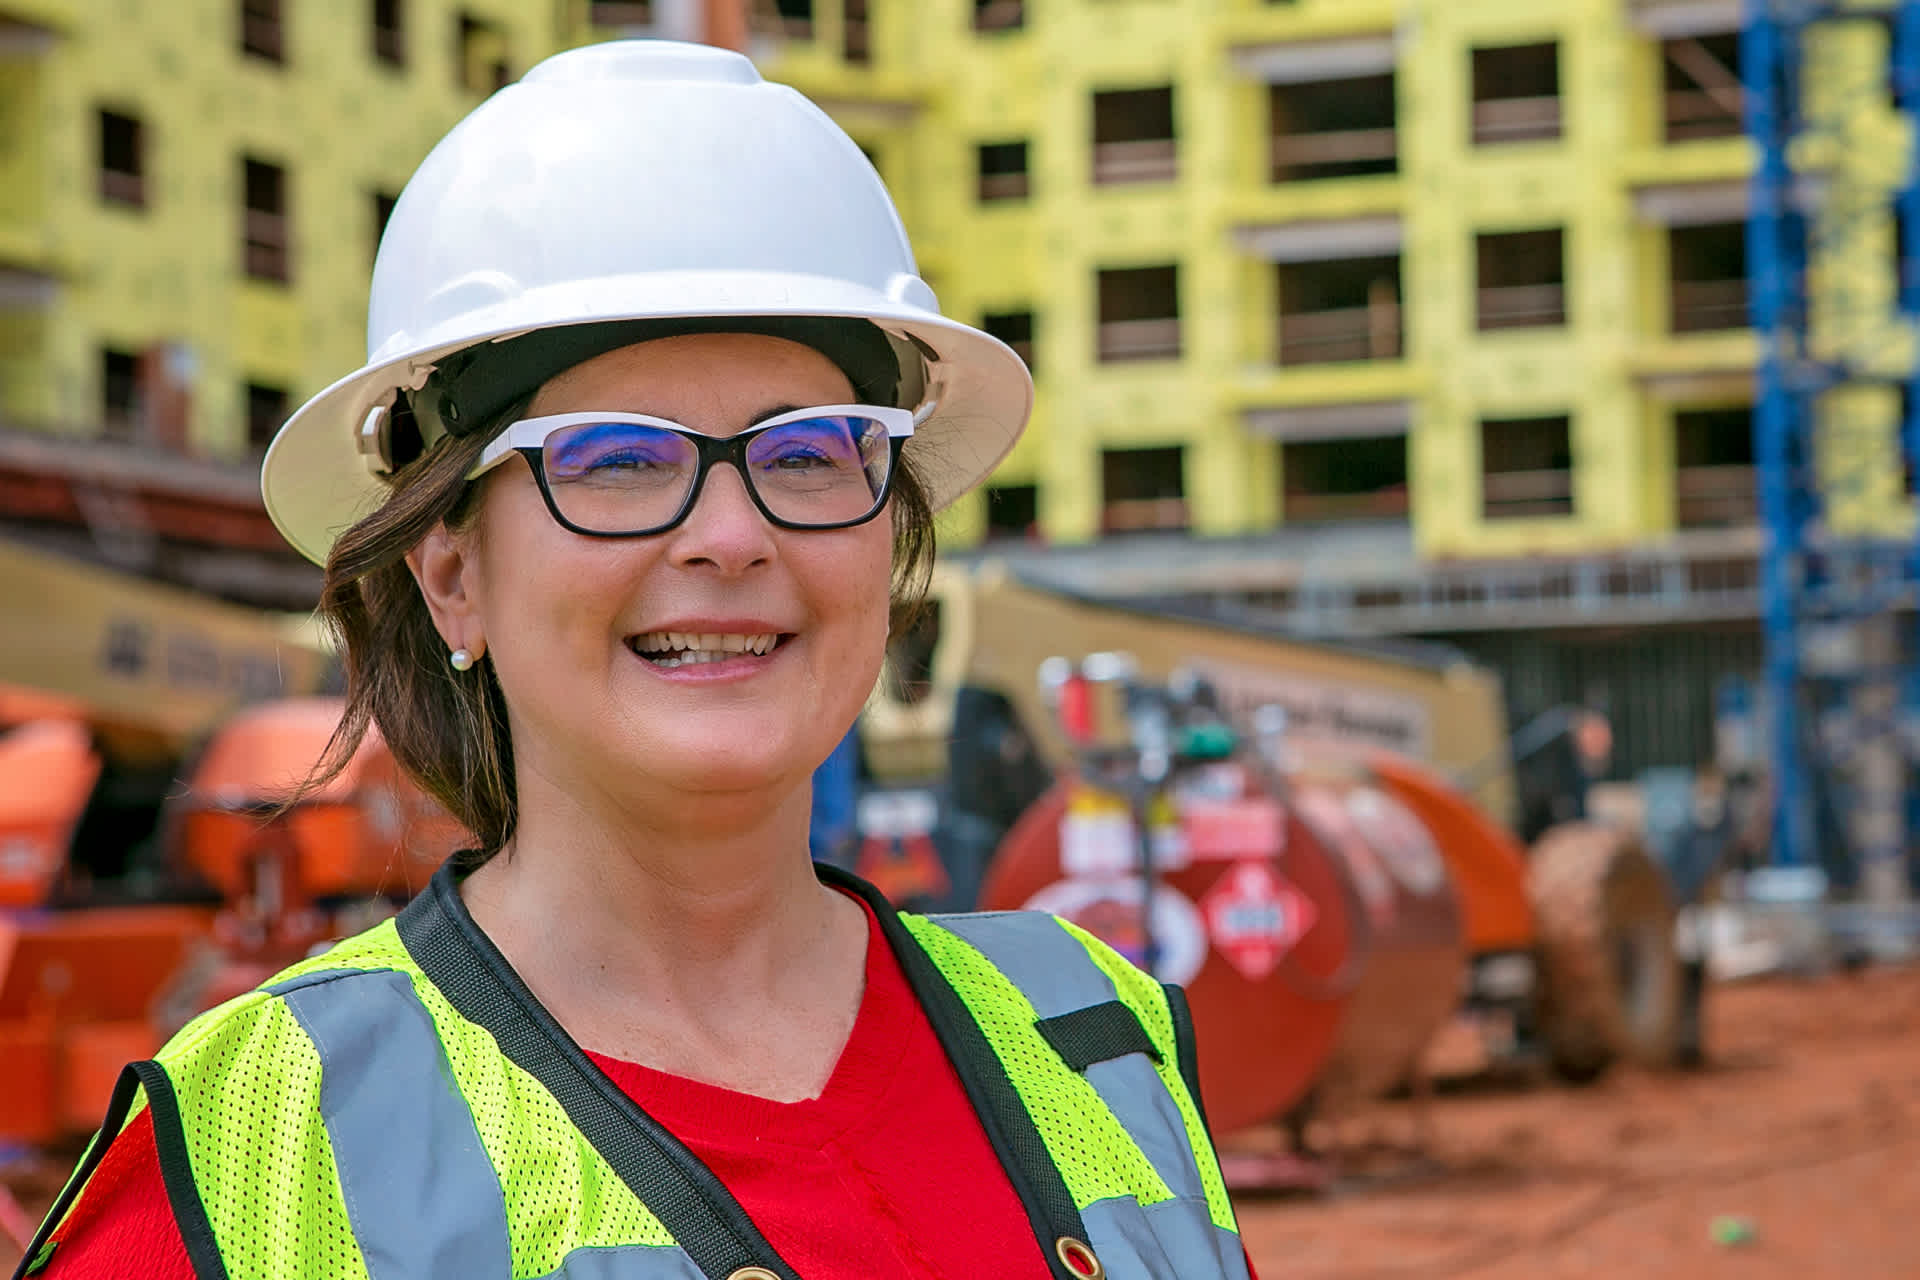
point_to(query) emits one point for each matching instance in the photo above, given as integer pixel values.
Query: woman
(656, 413)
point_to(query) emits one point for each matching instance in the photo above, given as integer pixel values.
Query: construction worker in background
(654, 419)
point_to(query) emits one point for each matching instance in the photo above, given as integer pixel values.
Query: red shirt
(830, 1181)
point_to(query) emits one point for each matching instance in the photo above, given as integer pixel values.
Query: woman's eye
(621, 461)
(802, 460)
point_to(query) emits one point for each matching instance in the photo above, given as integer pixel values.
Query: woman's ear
(445, 567)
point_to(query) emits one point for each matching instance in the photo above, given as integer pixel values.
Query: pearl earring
(461, 660)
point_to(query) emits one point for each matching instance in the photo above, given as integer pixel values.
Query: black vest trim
(176, 1173)
(690, 1202)
(1023, 1153)
(1185, 1047)
(1097, 1033)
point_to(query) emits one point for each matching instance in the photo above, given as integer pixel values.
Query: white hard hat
(634, 181)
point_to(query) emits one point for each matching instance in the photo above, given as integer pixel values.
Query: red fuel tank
(1251, 913)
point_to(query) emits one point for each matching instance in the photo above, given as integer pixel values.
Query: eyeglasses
(624, 475)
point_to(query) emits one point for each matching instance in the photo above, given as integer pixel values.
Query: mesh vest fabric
(248, 1079)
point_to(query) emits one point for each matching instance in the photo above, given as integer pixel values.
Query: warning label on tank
(1254, 917)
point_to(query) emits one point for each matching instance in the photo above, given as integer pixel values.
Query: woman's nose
(725, 527)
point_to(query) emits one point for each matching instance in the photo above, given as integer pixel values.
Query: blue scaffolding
(1809, 578)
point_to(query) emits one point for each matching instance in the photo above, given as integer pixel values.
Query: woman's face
(569, 622)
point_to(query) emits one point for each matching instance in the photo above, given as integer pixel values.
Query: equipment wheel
(1610, 983)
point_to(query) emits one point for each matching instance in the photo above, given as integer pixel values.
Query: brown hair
(447, 729)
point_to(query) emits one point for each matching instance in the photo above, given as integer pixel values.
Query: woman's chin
(723, 765)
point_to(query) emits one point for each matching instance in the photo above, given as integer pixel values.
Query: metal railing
(1293, 155)
(1522, 306)
(1141, 160)
(1516, 120)
(1000, 15)
(1142, 515)
(122, 187)
(1004, 186)
(1693, 114)
(620, 15)
(1716, 497)
(1326, 508)
(1157, 339)
(1507, 495)
(1703, 305)
(1340, 334)
(266, 255)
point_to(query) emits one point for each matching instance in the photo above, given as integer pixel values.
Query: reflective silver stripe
(1172, 1238)
(1055, 973)
(628, 1262)
(420, 1189)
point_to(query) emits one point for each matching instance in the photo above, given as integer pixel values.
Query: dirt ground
(1806, 1129)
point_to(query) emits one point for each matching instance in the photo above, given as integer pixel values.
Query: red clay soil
(1805, 1130)
(1806, 1127)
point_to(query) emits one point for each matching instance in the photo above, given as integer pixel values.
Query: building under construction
(1361, 316)
(1368, 317)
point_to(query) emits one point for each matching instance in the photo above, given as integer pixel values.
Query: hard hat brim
(317, 483)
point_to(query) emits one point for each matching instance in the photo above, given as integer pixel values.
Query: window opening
(265, 237)
(1707, 267)
(1015, 328)
(1003, 171)
(1704, 97)
(1522, 276)
(1526, 467)
(262, 34)
(1333, 129)
(123, 160)
(1143, 490)
(793, 19)
(1013, 511)
(856, 33)
(1339, 310)
(266, 410)
(1516, 94)
(383, 204)
(1715, 484)
(389, 33)
(1139, 314)
(1334, 480)
(1133, 136)
(620, 15)
(119, 394)
(999, 15)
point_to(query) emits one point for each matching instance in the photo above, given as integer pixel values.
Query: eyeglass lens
(621, 477)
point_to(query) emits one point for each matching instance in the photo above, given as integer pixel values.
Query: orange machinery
(95, 975)
(290, 878)
(75, 986)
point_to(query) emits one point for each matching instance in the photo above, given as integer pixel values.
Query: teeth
(680, 648)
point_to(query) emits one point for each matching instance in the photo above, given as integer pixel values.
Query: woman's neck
(627, 930)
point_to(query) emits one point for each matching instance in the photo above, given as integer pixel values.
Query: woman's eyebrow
(774, 412)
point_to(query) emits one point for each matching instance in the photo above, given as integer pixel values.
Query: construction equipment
(1377, 849)
(147, 868)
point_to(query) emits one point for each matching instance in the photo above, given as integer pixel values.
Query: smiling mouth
(670, 649)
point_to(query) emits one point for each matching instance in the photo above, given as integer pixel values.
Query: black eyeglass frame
(711, 450)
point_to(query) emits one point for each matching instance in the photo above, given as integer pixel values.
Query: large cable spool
(1253, 916)
(1415, 939)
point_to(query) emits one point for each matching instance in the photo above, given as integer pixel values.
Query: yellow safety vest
(402, 1108)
